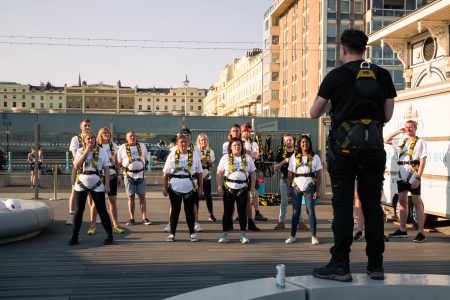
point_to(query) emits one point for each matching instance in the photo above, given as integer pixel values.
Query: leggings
(99, 200)
(228, 209)
(175, 203)
(207, 192)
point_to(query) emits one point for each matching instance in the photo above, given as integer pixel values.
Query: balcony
(280, 6)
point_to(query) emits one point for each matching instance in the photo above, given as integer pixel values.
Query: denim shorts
(136, 186)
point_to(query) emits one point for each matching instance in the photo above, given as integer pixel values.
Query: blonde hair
(86, 134)
(200, 136)
(99, 135)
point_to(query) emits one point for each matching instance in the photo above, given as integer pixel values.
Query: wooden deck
(142, 265)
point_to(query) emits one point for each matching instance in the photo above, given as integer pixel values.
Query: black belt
(305, 175)
(181, 176)
(135, 171)
(235, 191)
(236, 181)
(410, 162)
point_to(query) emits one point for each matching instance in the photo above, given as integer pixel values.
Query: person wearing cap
(196, 150)
(251, 148)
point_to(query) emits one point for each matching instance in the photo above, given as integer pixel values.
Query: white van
(429, 106)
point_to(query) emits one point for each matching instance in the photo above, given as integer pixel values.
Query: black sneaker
(108, 241)
(252, 226)
(376, 273)
(398, 234)
(333, 271)
(74, 241)
(212, 218)
(131, 222)
(260, 217)
(358, 236)
(420, 238)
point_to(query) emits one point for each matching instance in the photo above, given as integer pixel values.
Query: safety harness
(187, 174)
(206, 155)
(243, 169)
(414, 163)
(357, 134)
(111, 160)
(258, 140)
(84, 172)
(299, 163)
(130, 160)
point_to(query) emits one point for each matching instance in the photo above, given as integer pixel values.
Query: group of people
(96, 166)
(359, 97)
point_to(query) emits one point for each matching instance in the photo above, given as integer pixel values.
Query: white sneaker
(314, 240)
(290, 240)
(194, 238)
(244, 238)
(197, 227)
(98, 221)
(70, 219)
(167, 228)
(170, 238)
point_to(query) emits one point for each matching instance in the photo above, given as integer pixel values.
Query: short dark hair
(85, 120)
(355, 40)
(232, 140)
(182, 136)
(185, 131)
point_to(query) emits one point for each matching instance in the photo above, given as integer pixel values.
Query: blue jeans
(297, 208)
(284, 202)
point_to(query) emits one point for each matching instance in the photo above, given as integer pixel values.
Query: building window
(140, 99)
(33, 105)
(199, 100)
(23, 96)
(42, 105)
(157, 107)
(32, 97)
(51, 97)
(23, 104)
(4, 96)
(60, 97)
(51, 105)
(174, 100)
(174, 107)
(174, 94)
(5, 104)
(199, 108)
(122, 106)
(331, 57)
(192, 100)
(166, 108)
(331, 33)
(166, 100)
(157, 99)
(60, 105)
(14, 104)
(182, 100)
(140, 107)
(275, 76)
(149, 108)
(14, 96)
(191, 107)
(42, 97)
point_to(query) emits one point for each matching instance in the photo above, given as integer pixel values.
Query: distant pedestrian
(32, 158)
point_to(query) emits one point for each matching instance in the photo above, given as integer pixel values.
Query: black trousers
(368, 166)
(207, 193)
(175, 203)
(99, 200)
(241, 200)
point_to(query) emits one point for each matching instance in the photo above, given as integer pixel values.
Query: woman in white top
(304, 178)
(89, 162)
(182, 174)
(104, 140)
(237, 168)
(208, 159)
(235, 132)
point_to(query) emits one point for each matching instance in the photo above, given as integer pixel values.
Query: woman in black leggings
(208, 159)
(89, 161)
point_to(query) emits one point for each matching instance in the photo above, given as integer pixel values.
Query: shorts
(113, 186)
(403, 186)
(133, 187)
(32, 166)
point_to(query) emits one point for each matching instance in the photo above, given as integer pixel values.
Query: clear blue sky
(164, 20)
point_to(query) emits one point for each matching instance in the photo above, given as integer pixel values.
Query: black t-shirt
(284, 168)
(337, 83)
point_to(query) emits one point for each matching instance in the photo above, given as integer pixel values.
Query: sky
(114, 23)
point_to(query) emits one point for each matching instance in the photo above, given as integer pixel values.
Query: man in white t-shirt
(75, 144)
(411, 162)
(132, 156)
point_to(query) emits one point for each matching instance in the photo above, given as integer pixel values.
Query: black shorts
(403, 186)
(113, 186)
(32, 166)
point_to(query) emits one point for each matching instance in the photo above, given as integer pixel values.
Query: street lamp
(6, 123)
(186, 85)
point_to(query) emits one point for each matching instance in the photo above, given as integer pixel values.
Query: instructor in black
(360, 99)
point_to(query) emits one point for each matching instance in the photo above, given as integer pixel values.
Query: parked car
(3, 158)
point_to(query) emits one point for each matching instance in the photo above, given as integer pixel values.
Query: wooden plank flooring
(142, 265)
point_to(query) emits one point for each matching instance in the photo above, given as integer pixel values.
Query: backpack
(359, 119)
